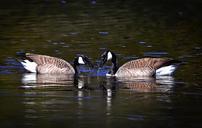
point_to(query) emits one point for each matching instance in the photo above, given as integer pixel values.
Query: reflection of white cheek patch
(109, 56)
(80, 60)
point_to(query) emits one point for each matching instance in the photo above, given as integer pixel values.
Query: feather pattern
(142, 67)
(48, 64)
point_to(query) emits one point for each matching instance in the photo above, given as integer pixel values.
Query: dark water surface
(132, 29)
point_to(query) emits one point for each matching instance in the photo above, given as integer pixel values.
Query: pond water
(132, 29)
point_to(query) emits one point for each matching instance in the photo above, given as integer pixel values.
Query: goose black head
(107, 56)
(82, 60)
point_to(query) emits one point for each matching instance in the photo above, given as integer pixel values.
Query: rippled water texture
(132, 29)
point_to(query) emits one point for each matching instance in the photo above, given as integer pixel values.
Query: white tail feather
(30, 66)
(167, 70)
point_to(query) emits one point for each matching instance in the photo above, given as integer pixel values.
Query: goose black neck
(114, 67)
(76, 68)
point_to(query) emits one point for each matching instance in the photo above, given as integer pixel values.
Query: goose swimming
(44, 64)
(140, 67)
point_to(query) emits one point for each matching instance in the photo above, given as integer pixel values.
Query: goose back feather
(48, 64)
(142, 67)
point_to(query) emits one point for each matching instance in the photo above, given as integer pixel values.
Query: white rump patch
(109, 56)
(28, 65)
(80, 60)
(167, 70)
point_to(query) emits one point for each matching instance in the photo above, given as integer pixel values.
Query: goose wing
(142, 67)
(154, 63)
(48, 64)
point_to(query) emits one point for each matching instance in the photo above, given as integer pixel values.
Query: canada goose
(139, 67)
(44, 64)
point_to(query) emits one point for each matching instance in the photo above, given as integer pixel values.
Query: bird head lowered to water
(82, 60)
(44, 64)
(109, 56)
(146, 66)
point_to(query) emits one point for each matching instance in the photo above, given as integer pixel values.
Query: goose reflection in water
(33, 80)
(147, 84)
(108, 85)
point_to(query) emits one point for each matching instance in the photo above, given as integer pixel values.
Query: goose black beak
(88, 62)
(103, 60)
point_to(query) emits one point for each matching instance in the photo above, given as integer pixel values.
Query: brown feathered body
(50, 65)
(142, 67)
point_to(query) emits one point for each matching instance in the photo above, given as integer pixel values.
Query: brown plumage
(44, 64)
(48, 64)
(139, 67)
(142, 67)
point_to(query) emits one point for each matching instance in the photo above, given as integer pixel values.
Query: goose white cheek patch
(109, 56)
(80, 60)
